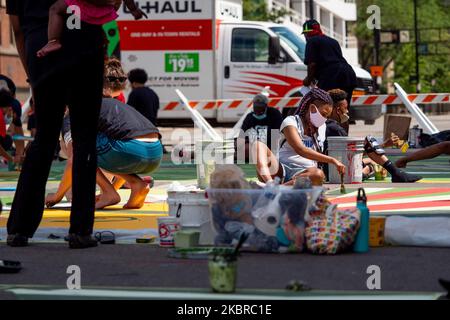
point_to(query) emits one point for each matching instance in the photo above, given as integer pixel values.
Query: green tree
(257, 10)
(399, 14)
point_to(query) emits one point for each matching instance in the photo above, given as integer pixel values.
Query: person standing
(326, 64)
(142, 98)
(72, 76)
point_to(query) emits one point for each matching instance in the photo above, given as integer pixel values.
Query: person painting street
(326, 64)
(263, 124)
(374, 151)
(299, 151)
(128, 144)
(72, 76)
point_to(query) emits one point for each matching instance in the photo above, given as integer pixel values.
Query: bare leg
(139, 191)
(66, 181)
(55, 28)
(427, 153)
(109, 195)
(267, 166)
(314, 174)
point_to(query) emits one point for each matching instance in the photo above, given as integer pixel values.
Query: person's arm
(135, 11)
(5, 154)
(296, 143)
(312, 67)
(20, 40)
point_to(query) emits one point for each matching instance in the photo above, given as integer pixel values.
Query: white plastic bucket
(192, 210)
(350, 152)
(208, 154)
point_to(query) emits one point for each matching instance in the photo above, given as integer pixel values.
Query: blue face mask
(260, 117)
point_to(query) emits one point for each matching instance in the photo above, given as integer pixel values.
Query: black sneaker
(17, 240)
(81, 242)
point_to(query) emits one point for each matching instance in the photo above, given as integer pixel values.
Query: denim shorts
(128, 156)
(289, 172)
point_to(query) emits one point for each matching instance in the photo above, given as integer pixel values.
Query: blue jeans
(128, 156)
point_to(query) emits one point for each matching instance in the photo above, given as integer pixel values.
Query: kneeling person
(374, 151)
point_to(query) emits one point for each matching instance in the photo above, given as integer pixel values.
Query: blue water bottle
(362, 238)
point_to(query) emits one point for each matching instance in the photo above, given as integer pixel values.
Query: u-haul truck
(203, 48)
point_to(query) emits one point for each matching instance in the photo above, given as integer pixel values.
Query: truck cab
(255, 55)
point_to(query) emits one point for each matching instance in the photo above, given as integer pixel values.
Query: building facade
(335, 16)
(10, 64)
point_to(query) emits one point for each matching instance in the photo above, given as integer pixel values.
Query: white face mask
(344, 117)
(317, 119)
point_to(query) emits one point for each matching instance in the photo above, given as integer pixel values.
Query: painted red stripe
(293, 102)
(446, 99)
(193, 104)
(390, 99)
(370, 100)
(273, 102)
(412, 205)
(219, 104)
(403, 194)
(210, 105)
(429, 98)
(412, 97)
(235, 104)
(171, 106)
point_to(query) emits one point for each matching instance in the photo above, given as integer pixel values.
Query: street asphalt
(403, 269)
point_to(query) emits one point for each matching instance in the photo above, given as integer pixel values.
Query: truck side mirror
(274, 49)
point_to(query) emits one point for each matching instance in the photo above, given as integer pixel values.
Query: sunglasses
(114, 79)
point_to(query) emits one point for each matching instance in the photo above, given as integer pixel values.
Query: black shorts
(6, 142)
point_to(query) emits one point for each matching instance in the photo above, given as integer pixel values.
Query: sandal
(371, 174)
(371, 145)
(105, 237)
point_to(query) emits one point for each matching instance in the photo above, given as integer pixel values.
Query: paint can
(167, 226)
(222, 269)
(349, 151)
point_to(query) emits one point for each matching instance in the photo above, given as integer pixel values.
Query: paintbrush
(343, 191)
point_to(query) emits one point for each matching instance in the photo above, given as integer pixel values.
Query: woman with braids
(299, 150)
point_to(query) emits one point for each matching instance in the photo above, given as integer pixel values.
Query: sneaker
(81, 242)
(17, 240)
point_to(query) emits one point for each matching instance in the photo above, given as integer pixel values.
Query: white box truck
(203, 48)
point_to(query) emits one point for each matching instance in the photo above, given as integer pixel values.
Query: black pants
(80, 88)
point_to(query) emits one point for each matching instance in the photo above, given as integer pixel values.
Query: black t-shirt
(146, 101)
(122, 122)
(33, 16)
(260, 130)
(333, 71)
(11, 85)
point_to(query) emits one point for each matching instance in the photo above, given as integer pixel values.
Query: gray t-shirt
(119, 121)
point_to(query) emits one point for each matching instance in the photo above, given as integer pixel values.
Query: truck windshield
(292, 40)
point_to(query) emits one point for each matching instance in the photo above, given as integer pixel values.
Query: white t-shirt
(287, 154)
